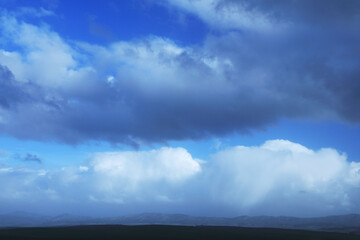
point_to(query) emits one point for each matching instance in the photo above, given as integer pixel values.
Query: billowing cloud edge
(277, 178)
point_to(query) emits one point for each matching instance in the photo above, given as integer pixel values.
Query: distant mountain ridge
(22, 219)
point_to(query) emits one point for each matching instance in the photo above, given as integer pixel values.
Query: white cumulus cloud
(277, 178)
(131, 170)
(285, 172)
(46, 58)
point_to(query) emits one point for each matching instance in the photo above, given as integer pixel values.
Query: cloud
(277, 178)
(269, 16)
(225, 15)
(126, 178)
(45, 58)
(28, 157)
(137, 172)
(32, 158)
(34, 12)
(4, 154)
(152, 90)
(10, 91)
(280, 172)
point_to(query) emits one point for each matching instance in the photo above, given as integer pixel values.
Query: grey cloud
(32, 158)
(14, 93)
(305, 11)
(234, 82)
(28, 157)
(301, 13)
(9, 90)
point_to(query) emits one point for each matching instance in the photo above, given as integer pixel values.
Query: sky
(200, 107)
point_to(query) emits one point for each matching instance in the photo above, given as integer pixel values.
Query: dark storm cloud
(303, 11)
(9, 90)
(239, 80)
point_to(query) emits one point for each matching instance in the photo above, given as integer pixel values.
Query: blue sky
(216, 107)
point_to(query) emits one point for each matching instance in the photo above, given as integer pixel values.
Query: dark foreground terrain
(166, 232)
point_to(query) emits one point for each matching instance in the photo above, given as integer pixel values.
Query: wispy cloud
(4, 153)
(28, 157)
(227, 15)
(34, 12)
(32, 158)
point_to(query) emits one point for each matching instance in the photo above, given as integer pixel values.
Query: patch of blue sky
(315, 135)
(104, 22)
(53, 155)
